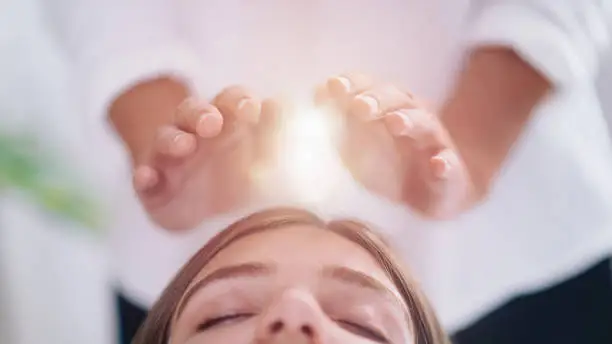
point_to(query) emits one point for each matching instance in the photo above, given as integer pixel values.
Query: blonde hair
(423, 321)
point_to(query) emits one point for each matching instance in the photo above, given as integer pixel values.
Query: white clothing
(550, 214)
(604, 86)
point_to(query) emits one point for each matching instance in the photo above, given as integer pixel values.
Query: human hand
(202, 164)
(396, 148)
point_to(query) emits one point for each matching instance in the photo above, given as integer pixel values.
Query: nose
(294, 318)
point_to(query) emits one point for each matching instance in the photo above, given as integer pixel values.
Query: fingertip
(190, 105)
(145, 178)
(174, 142)
(448, 185)
(189, 113)
(210, 124)
(439, 167)
(183, 144)
(339, 86)
(399, 123)
(365, 107)
(249, 109)
(443, 163)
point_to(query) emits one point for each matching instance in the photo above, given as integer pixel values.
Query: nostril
(307, 331)
(276, 327)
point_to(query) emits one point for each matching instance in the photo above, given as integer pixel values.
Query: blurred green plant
(30, 170)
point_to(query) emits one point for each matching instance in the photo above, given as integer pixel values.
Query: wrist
(492, 103)
(481, 167)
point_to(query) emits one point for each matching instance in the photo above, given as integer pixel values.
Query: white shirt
(604, 85)
(550, 214)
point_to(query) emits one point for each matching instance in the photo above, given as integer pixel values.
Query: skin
(192, 158)
(274, 277)
(438, 164)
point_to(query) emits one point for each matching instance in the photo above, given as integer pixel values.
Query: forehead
(299, 248)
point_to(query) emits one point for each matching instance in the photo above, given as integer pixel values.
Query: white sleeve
(564, 39)
(115, 44)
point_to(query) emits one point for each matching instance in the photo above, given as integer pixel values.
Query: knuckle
(167, 133)
(233, 92)
(190, 106)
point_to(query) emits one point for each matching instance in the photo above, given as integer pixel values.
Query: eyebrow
(338, 273)
(362, 280)
(350, 276)
(225, 273)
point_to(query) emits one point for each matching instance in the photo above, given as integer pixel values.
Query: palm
(214, 180)
(396, 148)
(202, 165)
(369, 153)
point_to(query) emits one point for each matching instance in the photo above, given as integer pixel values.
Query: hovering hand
(201, 165)
(396, 148)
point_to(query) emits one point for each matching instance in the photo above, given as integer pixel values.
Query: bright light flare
(308, 155)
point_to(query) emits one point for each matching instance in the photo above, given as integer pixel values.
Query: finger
(322, 95)
(448, 183)
(266, 135)
(348, 84)
(238, 103)
(420, 140)
(199, 117)
(416, 128)
(443, 164)
(266, 132)
(145, 178)
(378, 101)
(175, 143)
(270, 115)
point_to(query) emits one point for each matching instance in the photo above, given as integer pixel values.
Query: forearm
(137, 113)
(492, 103)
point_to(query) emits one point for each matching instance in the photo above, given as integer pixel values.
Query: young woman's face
(293, 285)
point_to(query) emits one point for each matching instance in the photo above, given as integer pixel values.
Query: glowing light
(308, 155)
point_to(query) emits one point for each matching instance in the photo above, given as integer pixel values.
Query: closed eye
(223, 320)
(363, 331)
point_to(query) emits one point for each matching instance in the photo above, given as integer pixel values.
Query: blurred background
(53, 270)
(52, 254)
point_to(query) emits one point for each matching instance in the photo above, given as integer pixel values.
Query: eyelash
(363, 331)
(350, 326)
(210, 323)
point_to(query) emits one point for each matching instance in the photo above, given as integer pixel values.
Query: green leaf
(25, 168)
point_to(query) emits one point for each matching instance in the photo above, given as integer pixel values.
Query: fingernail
(399, 123)
(182, 143)
(345, 84)
(248, 109)
(340, 86)
(366, 107)
(442, 164)
(210, 125)
(242, 104)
